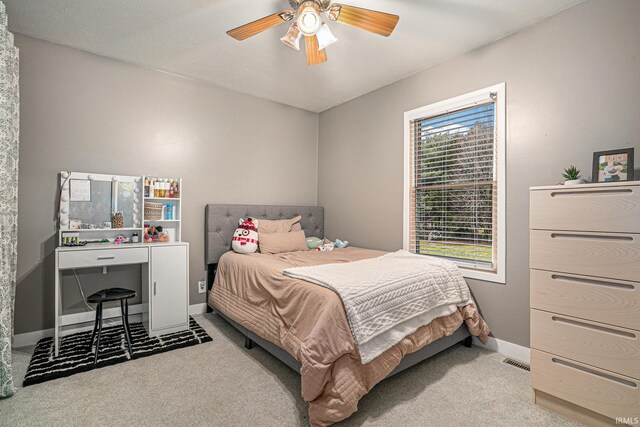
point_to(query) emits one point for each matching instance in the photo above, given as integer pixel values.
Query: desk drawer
(614, 302)
(612, 209)
(608, 347)
(616, 256)
(102, 257)
(601, 391)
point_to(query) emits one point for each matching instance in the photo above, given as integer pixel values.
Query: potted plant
(572, 176)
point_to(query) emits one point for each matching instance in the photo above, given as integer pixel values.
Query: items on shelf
(77, 243)
(152, 211)
(154, 234)
(77, 224)
(168, 211)
(71, 239)
(161, 188)
(117, 220)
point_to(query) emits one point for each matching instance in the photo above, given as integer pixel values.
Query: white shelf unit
(152, 199)
(171, 226)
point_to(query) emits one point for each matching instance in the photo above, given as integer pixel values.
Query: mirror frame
(65, 196)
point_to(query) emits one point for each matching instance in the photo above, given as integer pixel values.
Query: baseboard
(573, 411)
(506, 348)
(70, 320)
(32, 338)
(198, 308)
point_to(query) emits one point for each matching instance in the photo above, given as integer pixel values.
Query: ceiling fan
(308, 24)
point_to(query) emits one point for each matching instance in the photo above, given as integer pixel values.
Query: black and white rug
(75, 357)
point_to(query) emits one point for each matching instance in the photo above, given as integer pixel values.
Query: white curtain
(9, 130)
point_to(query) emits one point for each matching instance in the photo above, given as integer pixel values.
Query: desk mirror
(89, 201)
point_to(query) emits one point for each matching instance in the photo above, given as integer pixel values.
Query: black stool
(106, 295)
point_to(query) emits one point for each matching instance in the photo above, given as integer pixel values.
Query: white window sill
(486, 276)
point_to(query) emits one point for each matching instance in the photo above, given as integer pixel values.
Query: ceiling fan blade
(255, 27)
(314, 54)
(365, 19)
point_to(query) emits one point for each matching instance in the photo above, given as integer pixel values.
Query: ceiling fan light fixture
(293, 37)
(334, 12)
(309, 21)
(325, 37)
(307, 25)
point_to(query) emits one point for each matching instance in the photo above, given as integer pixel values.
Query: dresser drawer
(614, 302)
(608, 347)
(601, 391)
(616, 256)
(612, 209)
(102, 257)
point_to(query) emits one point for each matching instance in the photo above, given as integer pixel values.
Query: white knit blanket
(390, 297)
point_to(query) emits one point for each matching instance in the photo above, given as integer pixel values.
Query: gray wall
(572, 88)
(87, 113)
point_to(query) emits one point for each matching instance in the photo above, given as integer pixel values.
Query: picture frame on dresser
(613, 165)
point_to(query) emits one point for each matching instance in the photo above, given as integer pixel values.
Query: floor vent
(517, 364)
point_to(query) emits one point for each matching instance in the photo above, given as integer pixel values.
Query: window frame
(449, 105)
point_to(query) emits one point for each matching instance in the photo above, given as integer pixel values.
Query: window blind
(453, 189)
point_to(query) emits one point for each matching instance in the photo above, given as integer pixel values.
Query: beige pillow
(276, 243)
(268, 226)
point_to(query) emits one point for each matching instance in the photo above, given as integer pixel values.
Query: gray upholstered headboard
(222, 220)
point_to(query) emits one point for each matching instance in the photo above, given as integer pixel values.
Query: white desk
(165, 283)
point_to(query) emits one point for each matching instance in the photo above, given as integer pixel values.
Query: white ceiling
(187, 37)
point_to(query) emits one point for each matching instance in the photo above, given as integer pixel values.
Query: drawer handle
(593, 282)
(100, 258)
(591, 237)
(594, 372)
(590, 192)
(594, 327)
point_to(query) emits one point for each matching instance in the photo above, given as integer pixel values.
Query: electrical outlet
(202, 287)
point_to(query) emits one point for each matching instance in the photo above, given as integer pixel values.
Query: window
(455, 182)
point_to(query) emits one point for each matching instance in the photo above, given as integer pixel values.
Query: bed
(304, 325)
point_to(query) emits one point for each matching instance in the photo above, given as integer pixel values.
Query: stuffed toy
(340, 244)
(245, 238)
(329, 247)
(314, 242)
(325, 245)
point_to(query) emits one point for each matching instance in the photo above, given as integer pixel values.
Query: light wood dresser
(585, 301)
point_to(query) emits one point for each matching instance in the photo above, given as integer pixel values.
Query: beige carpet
(222, 384)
